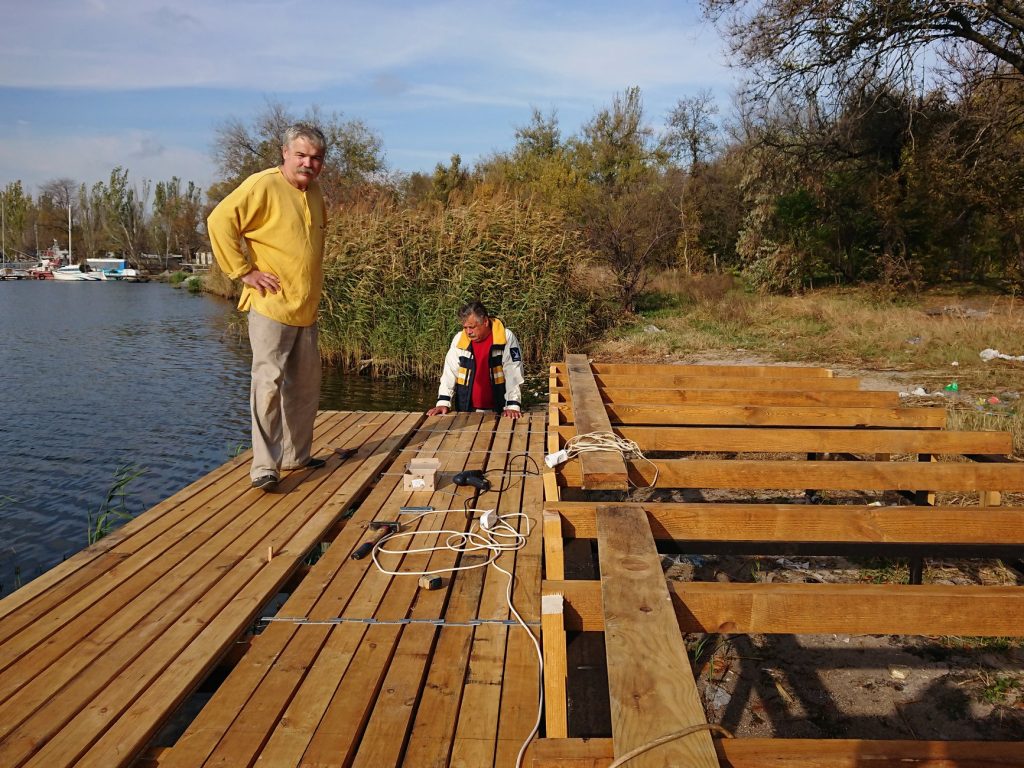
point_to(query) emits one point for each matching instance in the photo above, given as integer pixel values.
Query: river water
(97, 376)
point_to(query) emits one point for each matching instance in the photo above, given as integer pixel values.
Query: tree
(56, 197)
(627, 207)
(824, 46)
(176, 215)
(448, 179)
(16, 205)
(691, 129)
(122, 210)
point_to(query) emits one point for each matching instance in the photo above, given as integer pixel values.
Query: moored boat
(78, 273)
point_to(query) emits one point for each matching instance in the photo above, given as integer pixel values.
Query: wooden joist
(650, 681)
(600, 470)
(833, 475)
(750, 371)
(802, 753)
(700, 380)
(810, 439)
(897, 609)
(719, 396)
(805, 523)
(768, 416)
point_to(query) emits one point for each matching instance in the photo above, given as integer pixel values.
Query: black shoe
(265, 483)
(314, 463)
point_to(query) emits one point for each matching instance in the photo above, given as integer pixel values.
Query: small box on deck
(420, 474)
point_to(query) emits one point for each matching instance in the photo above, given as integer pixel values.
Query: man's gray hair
(306, 131)
(473, 308)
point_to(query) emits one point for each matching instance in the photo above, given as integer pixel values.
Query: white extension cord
(495, 535)
(591, 442)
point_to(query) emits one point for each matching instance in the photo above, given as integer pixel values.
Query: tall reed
(395, 277)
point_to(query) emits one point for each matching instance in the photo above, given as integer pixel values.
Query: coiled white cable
(591, 442)
(497, 537)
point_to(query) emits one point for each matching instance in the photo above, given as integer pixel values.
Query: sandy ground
(856, 686)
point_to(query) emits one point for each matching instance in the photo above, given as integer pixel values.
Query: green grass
(113, 510)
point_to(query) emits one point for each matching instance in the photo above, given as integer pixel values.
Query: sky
(87, 85)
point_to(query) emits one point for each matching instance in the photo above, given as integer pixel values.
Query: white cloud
(88, 159)
(528, 50)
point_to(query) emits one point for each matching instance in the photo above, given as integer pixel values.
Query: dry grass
(682, 317)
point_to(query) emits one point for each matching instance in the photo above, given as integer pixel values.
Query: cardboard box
(421, 474)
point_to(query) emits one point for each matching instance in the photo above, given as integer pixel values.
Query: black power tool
(474, 478)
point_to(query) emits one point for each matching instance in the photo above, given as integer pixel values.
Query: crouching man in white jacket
(483, 370)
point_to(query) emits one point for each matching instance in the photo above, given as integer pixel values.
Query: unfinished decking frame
(640, 392)
(331, 681)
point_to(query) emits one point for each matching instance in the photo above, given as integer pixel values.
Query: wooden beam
(604, 470)
(552, 634)
(771, 371)
(768, 416)
(554, 557)
(789, 523)
(810, 440)
(705, 380)
(802, 753)
(835, 475)
(650, 681)
(898, 609)
(717, 396)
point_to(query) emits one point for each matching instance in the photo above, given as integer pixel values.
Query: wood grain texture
(697, 521)
(833, 475)
(601, 470)
(810, 439)
(768, 415)
(651, 684)
(809, 609)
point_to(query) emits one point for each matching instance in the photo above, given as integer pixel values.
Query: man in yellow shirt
(280, 215)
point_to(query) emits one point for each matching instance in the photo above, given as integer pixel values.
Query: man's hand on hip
(262, 281)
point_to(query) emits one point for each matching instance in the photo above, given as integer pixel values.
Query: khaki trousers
(285, 394)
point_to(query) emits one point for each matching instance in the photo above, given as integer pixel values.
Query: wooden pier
(229, 627)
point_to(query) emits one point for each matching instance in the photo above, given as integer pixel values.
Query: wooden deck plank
(719, 396)
(291, 738)
(833, 475)
(476, 734)
(241, 563)
(882, 609)
(396, 711)
(810, 440)
(165, 673)
(521, 689)
(653, 692)
(349, 710)
(698, 521)
(769, 416)
(176, 532)
(804, 753)
(307, 696)
(600, 469)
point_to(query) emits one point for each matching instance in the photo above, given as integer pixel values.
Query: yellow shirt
(284, 230)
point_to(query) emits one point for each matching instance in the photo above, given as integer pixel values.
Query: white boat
(76, 273)
(128, 275)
